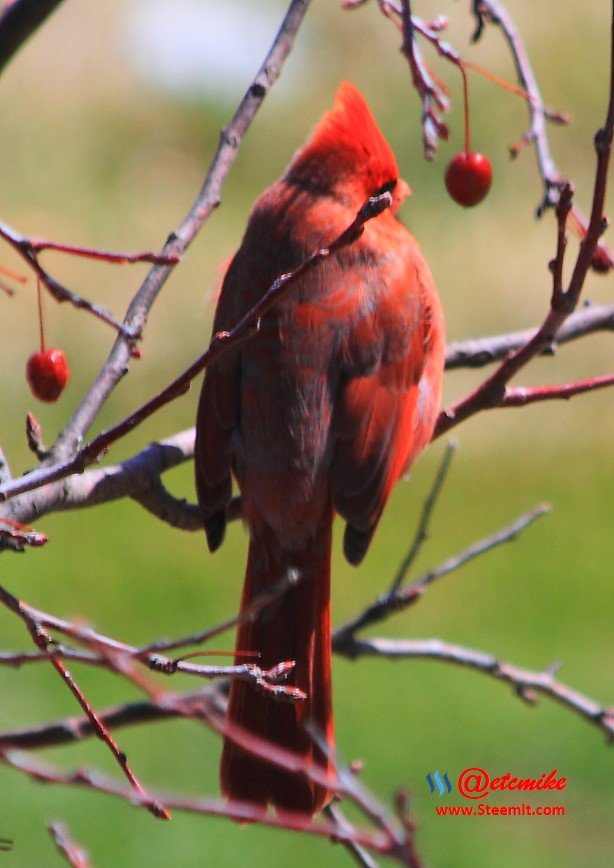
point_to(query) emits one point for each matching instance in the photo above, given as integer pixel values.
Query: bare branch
(383, 607)
(178, 241)
(495, 13)
(74, 854)
(524, 682)
(42, 641)
(491, 393)
(249, 613)
(349, 784)
(30, 248)
(421, 534)
(359, 854)
(112, 652)
(38, 245)
(73, 729)
(18, 21)
(136, 477)
(479, 352)
(241, 811)
(59, 292)
(434, 99)
(564, 391)
(176, 512)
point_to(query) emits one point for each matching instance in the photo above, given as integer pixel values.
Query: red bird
(319, 413)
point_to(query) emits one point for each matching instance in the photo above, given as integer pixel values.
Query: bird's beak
(401, 191)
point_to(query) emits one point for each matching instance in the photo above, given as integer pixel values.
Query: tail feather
(295, 627)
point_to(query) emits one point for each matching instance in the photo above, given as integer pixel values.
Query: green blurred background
(110, 117)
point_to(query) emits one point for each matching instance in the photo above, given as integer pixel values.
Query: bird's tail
(295, 627)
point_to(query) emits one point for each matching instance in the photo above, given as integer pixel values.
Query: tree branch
(401, 599)
(433, 97)
(376, 840)
(30, 248)
(178, 241)
(524, 681)
(69, 730)
(496, 14)
(18, 21)
(492, 392)
(135, 477)
(42, 641)
(564, 391)
(74, 853)
(479, 352)
(422, 530)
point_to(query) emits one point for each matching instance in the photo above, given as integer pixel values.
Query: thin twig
(69, 730)
(249, 613)
(26, 249)
(359, 854)
(179, 240)
(434, 99)
(421, 534)
(267, 680)
(350, 785)
(74, 853)
(478, 352)
(18, 21)
(241, 811)
(491, 393)
(42, 641)
(386, 605)
(38, 245)
(524, 682)
(564, 391)
(30, 248)
(495, 13)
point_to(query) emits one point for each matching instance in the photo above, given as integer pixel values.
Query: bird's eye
(388, 187)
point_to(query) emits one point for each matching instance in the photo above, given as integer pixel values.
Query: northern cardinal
(319, 413)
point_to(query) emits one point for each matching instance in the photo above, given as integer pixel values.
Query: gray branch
(18, 21)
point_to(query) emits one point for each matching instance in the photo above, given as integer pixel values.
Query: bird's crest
(347, 150)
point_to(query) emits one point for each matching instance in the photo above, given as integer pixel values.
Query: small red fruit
(468, 178)
(47, 373)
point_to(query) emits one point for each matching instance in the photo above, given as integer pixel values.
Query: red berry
(47, 373)
(468, 178)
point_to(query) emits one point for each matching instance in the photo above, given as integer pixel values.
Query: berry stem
(500, 82)
(41, 317)
(8, 273)
(461, 66)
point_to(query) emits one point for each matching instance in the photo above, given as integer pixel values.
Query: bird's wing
(379, 422)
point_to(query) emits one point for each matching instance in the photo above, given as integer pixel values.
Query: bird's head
(347, 155)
